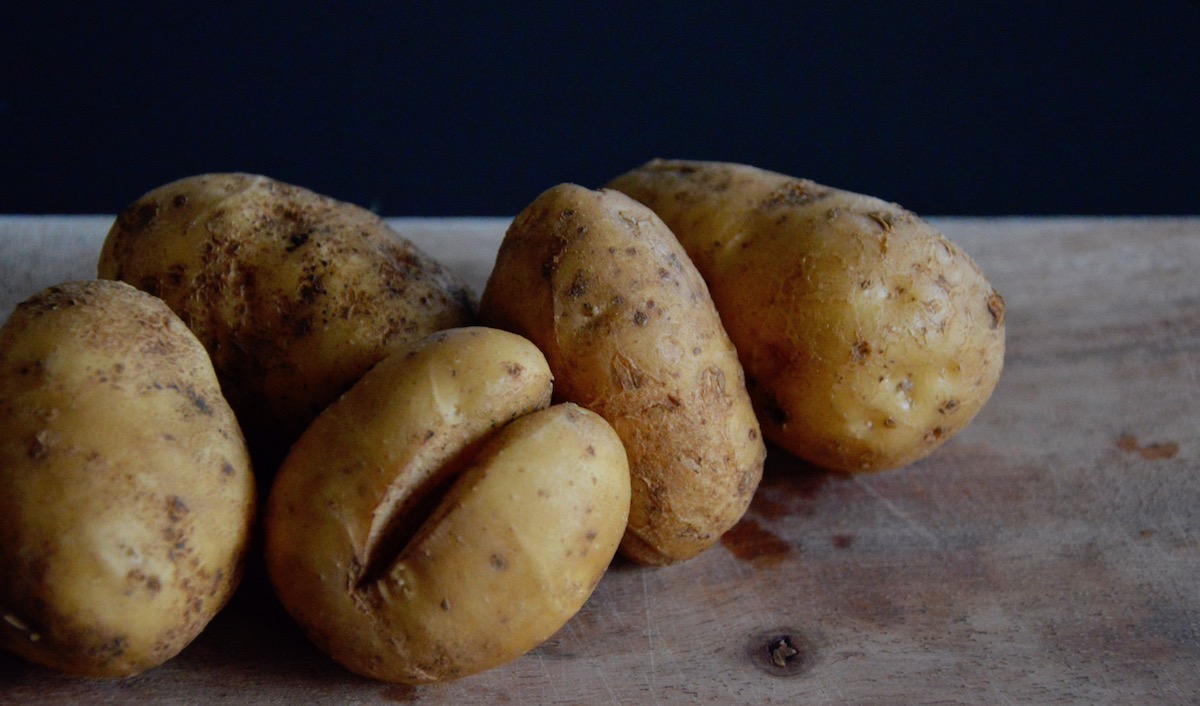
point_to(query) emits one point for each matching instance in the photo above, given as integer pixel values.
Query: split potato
(295, 295)
(600, 284)
(439, 519)
(868, 338)
(126, 493)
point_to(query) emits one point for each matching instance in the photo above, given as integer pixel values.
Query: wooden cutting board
(1049, 554)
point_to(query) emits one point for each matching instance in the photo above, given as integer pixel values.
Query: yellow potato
(400, 579)
(602, 287)
(868, 338)
(127, 490)
(295, 295)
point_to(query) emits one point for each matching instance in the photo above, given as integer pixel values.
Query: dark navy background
(423, 108)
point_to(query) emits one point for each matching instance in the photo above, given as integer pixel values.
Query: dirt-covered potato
(603, 288)
(868, 338)
(438, 520)
(126, 494)
(295, 295)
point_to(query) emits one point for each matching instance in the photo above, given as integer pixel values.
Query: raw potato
(127, 494)
(295, 295)
(400, 579)
(868, 338)
(602, 287)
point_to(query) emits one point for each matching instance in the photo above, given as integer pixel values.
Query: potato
(295, 295)
(401, 579)
(126, 493)
(868, 338)
(602, 287)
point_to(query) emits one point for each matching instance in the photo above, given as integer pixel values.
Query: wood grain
(1049, 554)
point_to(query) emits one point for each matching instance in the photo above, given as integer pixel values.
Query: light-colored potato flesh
(295, 295)
(868, 338)
(400, 579)
(603, 288)
(127, 490)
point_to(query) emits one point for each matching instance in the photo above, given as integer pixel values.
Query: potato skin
(868, 338)
(128, 495)
(603, 288)
(537, 501)
(295, 295)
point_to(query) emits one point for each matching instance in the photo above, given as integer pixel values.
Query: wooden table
(1049, 554)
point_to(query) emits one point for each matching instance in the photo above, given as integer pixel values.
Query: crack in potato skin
(439, 519)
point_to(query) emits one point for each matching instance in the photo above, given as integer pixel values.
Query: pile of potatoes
(440, 481)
